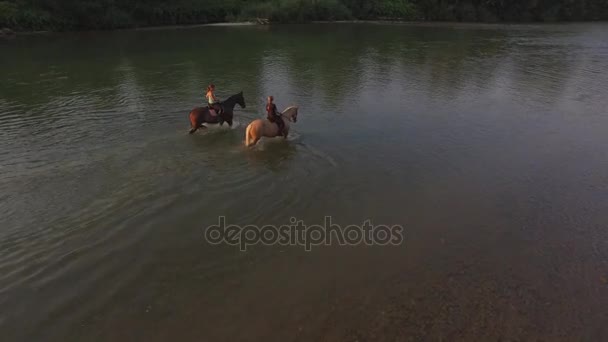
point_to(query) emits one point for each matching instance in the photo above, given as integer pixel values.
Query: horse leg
(193, 124)
(252, 141)
(196, 123)
(194, 129)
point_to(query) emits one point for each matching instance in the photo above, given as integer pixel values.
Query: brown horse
(201, 115)
(264, 128)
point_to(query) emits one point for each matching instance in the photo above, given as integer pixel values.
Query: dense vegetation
(108, 14)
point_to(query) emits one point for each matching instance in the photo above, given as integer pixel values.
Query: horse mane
(232, 98)
(289, 109)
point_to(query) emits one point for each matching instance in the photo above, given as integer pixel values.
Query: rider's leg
(212, 109)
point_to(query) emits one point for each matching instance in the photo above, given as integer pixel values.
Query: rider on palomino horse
(274, 116)
(214, 104)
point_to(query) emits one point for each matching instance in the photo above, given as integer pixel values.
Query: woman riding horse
(274, 116)
(264, 128)
(200, 115)
(212, 101)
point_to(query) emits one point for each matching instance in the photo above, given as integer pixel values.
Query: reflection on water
(486, 142)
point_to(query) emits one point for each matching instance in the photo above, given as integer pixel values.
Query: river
(487, 143)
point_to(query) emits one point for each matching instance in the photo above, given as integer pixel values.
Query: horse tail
(247, 135)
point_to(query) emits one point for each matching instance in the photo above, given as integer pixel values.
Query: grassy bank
(60, 15)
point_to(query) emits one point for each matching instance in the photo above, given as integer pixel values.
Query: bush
(34, 20)
(297, 10)
(257, 10)
(401, 9)
(303, 11)
(467, 12)
(116, 18)
(486, 16)
(8, 14)
(332, 10)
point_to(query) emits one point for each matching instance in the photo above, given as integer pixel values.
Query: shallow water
(487, 143)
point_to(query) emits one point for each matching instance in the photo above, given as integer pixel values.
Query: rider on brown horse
(212, 101)
(275, 116)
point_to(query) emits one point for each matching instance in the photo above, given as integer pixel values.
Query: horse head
(240, 99)
(291, 113)
(234, 100)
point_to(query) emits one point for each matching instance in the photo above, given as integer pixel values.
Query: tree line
(111, 14)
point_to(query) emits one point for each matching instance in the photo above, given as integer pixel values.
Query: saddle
(278, 120)
(213, 111)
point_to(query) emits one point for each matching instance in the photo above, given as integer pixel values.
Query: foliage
(8, 13)
(402, 9)
(296, 10)
(110, 14)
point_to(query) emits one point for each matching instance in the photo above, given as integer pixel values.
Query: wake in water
(207, 127)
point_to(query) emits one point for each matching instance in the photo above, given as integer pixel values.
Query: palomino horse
(201, 115)
(264, 128)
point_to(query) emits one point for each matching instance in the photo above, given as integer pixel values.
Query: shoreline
(420, 23)
(459, 23)
(152, 28)
(144, 28)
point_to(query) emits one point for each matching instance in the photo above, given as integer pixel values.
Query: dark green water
(487, 143)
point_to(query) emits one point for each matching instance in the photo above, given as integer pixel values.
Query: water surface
(488, 143)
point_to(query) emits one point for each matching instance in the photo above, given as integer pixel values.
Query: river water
(486, 143)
